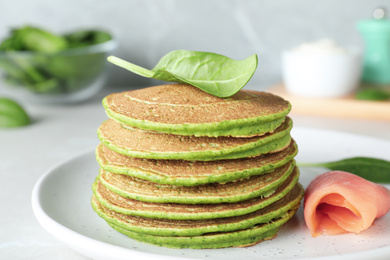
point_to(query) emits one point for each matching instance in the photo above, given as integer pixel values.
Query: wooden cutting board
(345, 107)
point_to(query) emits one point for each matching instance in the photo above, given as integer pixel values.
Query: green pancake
(117, 203)
(245, 238)
(169, 227)
(191, 173)
(204, 233)
(153, 145)
(186, 110)
(255, 186)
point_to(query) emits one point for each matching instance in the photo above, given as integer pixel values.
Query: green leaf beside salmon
(372, 169)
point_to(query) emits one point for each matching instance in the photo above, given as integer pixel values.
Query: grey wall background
(148, 29)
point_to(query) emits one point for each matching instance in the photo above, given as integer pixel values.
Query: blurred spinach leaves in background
(44, 62)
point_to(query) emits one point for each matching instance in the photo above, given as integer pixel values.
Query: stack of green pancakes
(181, 168)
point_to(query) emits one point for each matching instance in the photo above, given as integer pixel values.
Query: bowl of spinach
(45, 67)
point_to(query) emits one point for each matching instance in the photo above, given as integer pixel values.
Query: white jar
(321, 69)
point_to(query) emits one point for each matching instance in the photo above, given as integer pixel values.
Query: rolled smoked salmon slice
(339, 202)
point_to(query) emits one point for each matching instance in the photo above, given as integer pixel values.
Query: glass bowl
(68, 76)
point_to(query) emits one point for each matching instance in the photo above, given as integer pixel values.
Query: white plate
(61, 203)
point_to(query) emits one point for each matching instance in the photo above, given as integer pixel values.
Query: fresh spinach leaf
(30, 38)
(213, 73)
(81, 38)
(372, 169)
(373, 94)
(12, 114)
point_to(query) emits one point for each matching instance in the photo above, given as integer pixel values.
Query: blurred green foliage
(47, 63)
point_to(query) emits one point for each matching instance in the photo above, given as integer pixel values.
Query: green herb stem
(130, 66)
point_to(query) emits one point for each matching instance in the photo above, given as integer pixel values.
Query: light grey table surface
(59, 132)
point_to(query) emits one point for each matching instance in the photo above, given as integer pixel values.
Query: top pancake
(186, 110)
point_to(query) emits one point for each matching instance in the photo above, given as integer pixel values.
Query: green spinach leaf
(31, 38)
(213, 73)
(372, 169)
(82, 38)
(373, 94)
(12, 114)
